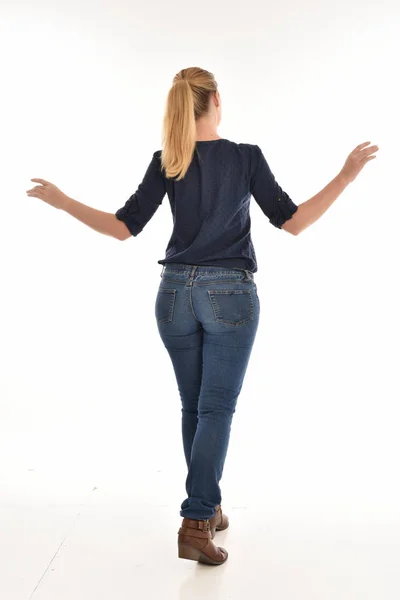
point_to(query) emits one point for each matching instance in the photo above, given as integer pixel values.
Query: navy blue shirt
(210, 205)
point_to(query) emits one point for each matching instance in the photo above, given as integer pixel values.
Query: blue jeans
(207, 318)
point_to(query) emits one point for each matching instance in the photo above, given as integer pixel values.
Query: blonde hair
(187, 101)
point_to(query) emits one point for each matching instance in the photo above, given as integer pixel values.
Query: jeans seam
(191, 304)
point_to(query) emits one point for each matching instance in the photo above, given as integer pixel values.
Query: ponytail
(188, 99)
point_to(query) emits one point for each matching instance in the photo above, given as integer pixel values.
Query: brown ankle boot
(195, 543)
(219, 522)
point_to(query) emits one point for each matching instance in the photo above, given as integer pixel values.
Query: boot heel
(188, 552)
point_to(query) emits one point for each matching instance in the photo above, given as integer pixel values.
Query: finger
(361, 146)
(37, 188)
(369, 150)
(42, 181)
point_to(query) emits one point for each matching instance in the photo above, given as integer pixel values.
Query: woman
(207, 307)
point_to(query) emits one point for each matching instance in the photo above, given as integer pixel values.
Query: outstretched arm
(103, 222)
(310, 211)
(128, 221)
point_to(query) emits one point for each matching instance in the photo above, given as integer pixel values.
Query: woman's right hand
(49, 193)
(357, 160)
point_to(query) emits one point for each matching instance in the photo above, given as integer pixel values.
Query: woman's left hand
(49, 193)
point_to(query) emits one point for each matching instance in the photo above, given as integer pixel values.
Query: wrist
(343, 179)
(66, 203)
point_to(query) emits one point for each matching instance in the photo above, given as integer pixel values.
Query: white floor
(64, 537)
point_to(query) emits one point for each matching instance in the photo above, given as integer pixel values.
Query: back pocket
(234, 307)
(165, 302)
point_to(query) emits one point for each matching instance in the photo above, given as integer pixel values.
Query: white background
(88, 397)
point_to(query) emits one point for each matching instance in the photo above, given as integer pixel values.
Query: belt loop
(191, 277)
(248, 275)
(162, 271)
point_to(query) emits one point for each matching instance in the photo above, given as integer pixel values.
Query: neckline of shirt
(210, 141)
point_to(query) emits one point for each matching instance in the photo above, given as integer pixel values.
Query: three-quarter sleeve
(141, 206)
(273, 201)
